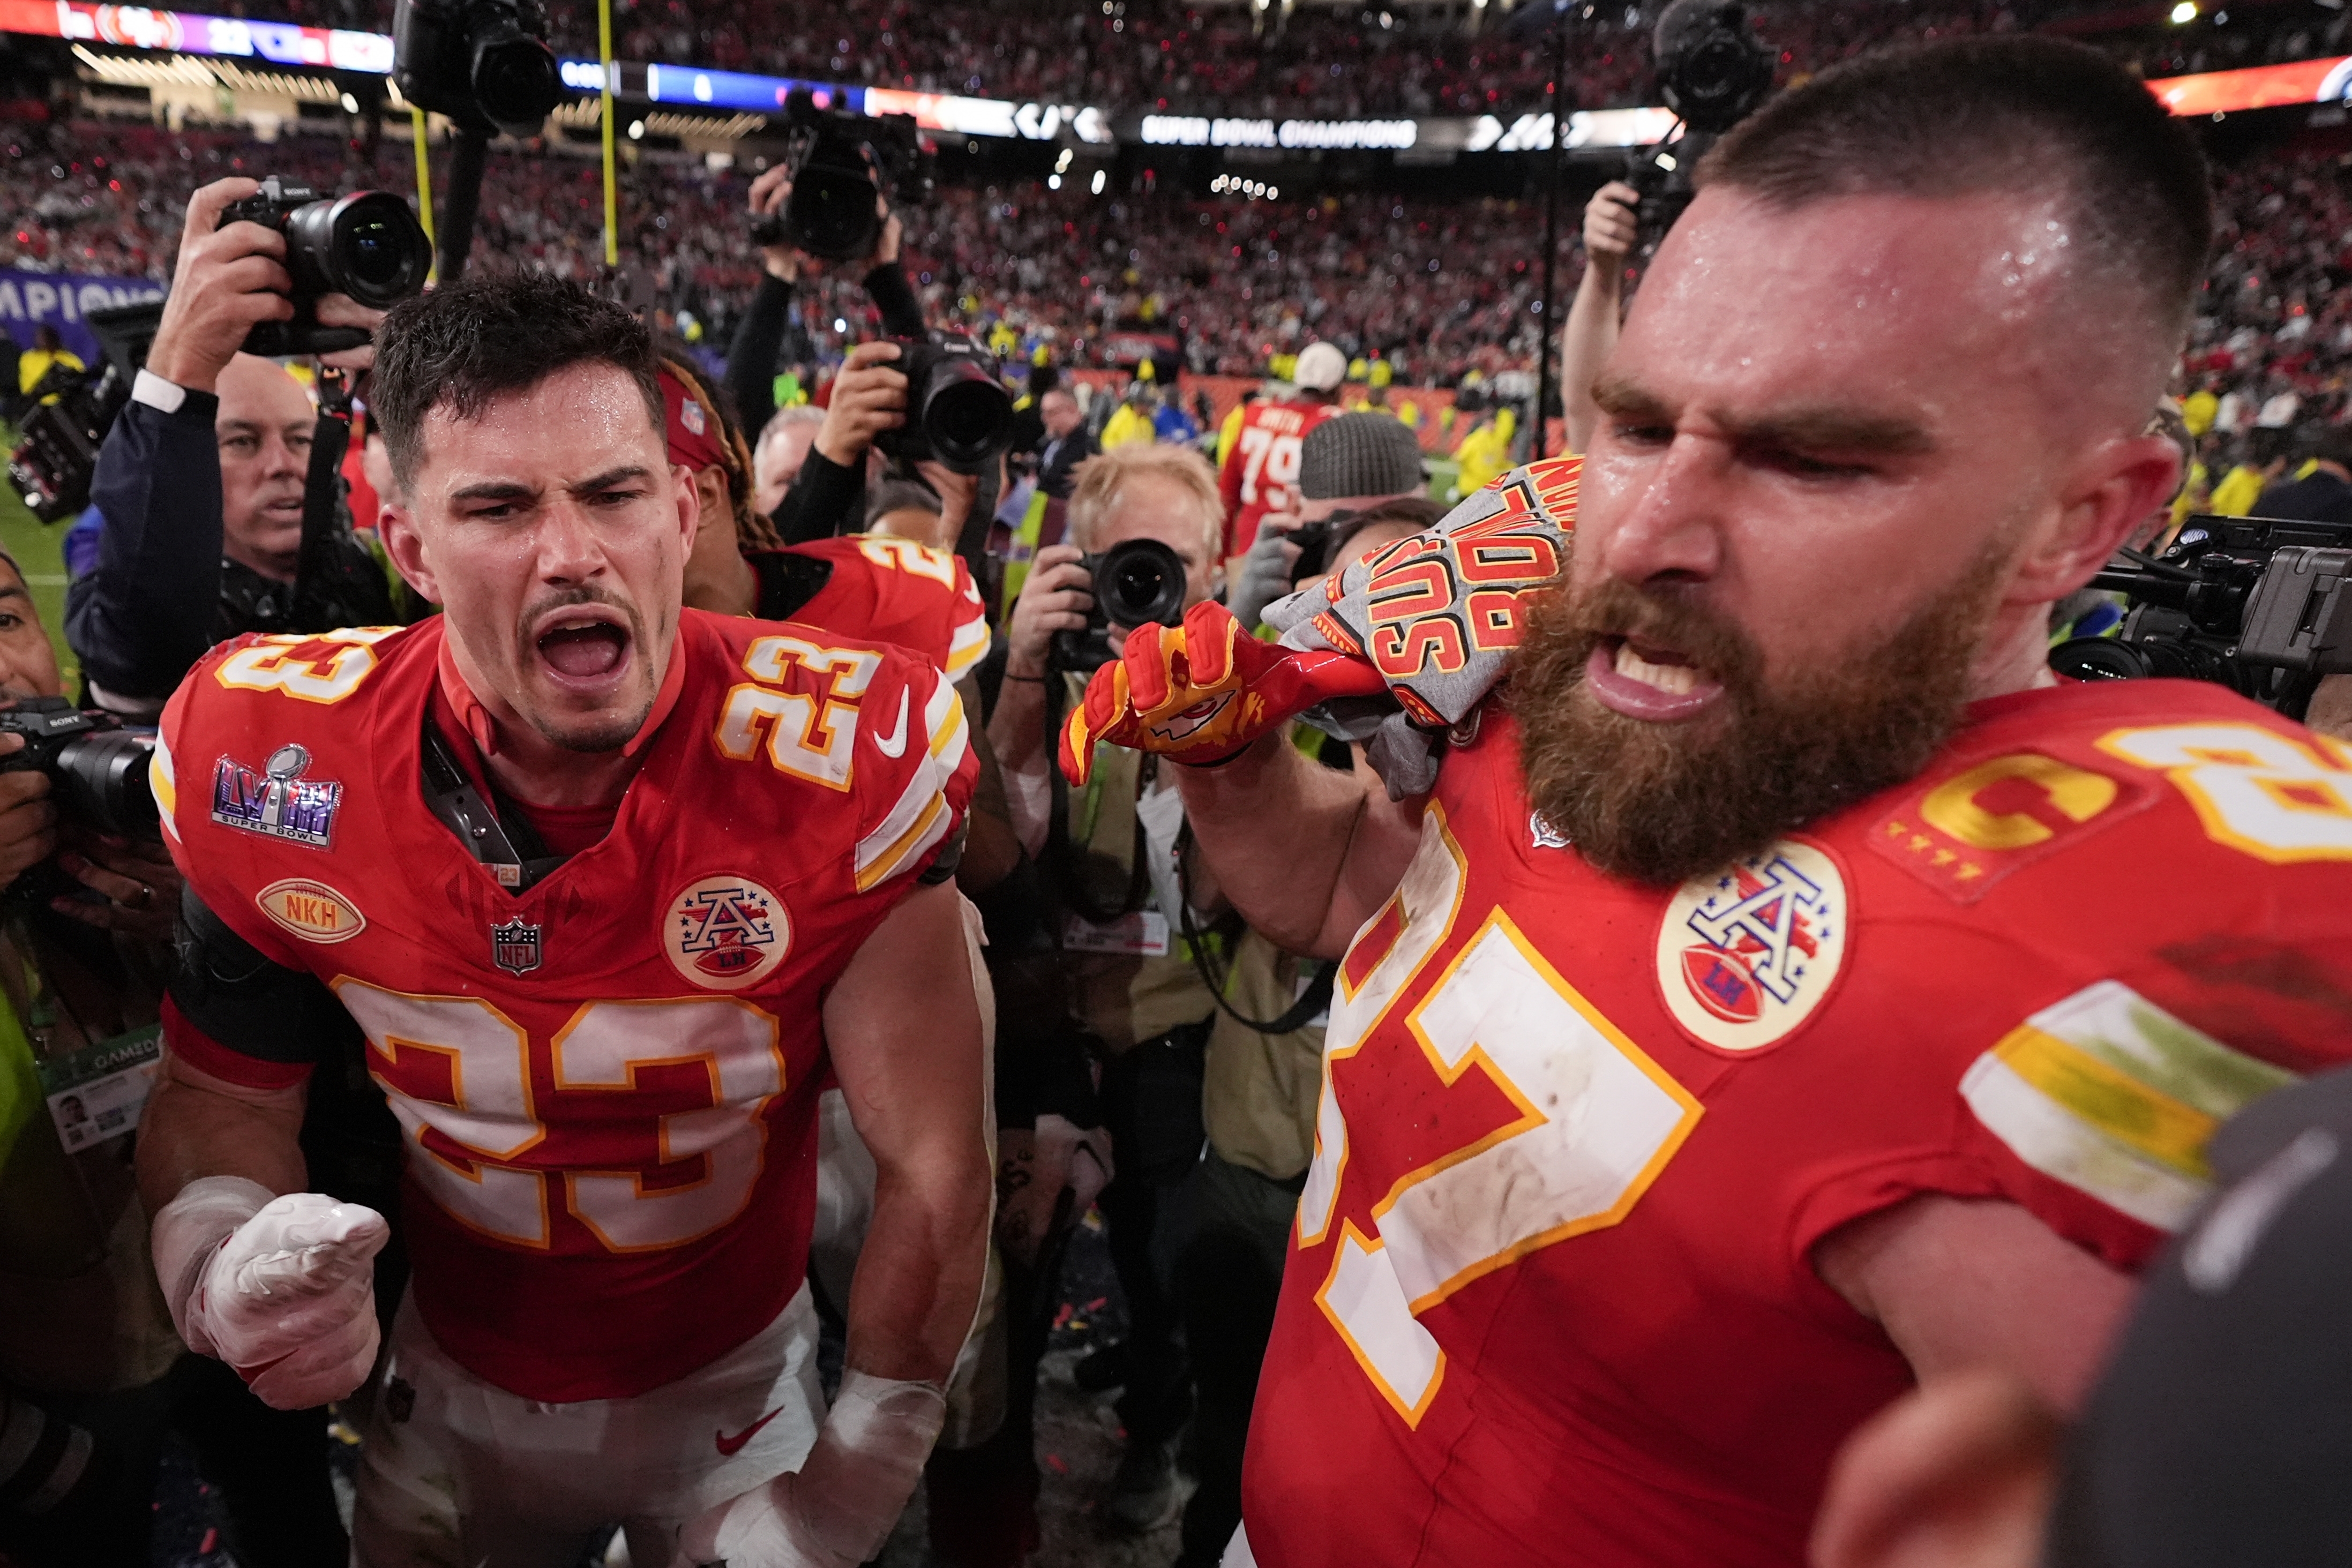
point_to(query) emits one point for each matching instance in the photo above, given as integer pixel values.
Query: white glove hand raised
(838, 1508)
(283, 1288)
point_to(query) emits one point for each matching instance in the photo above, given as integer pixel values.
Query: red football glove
(1202, 691)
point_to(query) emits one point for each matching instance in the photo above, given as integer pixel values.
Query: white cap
(1321, 367)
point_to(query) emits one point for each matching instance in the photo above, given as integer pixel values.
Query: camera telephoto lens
(367, 244)
(966, 415)
(831, 213)
(515, 80)
(2099, 658)
(1141, 582)
(104, 777)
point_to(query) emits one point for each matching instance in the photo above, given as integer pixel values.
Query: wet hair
(491, 334)
(2026, 116)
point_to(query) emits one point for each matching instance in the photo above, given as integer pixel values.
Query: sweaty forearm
(1281, 836)
(1585, 343)
(191, 1130)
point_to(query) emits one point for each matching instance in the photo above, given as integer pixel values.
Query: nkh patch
(311, 910)
(726, 932)
(1748, 954)
(276, 800)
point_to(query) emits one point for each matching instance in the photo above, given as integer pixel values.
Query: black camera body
(57, 449)
(483, 63)
(957, 412)
(57, 442)
(367, 244)
(1137, 582)
(1713, 72)
(2261, 605)
(97, 769)
(839, 162)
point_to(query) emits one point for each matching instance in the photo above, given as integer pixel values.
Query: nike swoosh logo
(895, 743)
(728, 1446)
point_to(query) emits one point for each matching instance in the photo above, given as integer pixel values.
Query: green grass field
(36, 548)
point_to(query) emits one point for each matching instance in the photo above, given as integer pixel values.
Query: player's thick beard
(1665, 803)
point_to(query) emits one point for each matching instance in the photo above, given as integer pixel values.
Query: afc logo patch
(726, 932)
(1748, 954)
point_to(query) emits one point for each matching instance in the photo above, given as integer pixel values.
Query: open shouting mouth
(583, 648)
(1649, 680)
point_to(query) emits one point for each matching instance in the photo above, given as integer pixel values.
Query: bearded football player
(1781, 988)
(599, 887)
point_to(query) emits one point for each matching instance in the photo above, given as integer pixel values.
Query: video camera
(57, 450)
(2257, 604)
(1137, 582)
(367, 244)
(477, 61)
(958, 411)
(838, 163)
(97, 769)
(1714, 72)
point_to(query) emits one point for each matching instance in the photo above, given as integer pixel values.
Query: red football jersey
(1549, 1298)
(1261, 473)
(886, 590)
(608, 1082)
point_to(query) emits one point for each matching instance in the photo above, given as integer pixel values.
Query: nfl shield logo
(514, 946)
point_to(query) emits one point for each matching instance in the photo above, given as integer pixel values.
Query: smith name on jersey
(1551, 1298)
(607, 1079)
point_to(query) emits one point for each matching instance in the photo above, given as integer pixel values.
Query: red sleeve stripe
(207, 1055)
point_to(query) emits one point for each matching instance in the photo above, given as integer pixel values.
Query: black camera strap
(507, 843)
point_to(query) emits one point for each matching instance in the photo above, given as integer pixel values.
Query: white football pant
(459, 1473)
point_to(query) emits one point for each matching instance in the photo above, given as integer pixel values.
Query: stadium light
(2184, 13)
(1102, 178)
(1053, 182)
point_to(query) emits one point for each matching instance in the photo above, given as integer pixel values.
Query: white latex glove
(839, 1507)
(282, 1289)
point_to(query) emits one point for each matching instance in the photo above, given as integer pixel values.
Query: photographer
(200, 480)
(870, 398)
(1124, 978)
(1348, 468)
(90, 1372)
(1610, 234)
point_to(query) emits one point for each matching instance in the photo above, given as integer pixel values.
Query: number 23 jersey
(607, 1082)
(1549, 1298)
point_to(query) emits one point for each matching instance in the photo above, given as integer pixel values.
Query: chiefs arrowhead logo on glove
(1202, 691)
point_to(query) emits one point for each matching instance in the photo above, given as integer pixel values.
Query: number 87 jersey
(607, 1080)
(1551, 1297)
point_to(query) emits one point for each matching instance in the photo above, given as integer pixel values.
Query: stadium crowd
(1333, 60)
(1439, 289)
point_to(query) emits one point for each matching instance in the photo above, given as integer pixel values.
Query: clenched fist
(282, 1289)
(1202, 691)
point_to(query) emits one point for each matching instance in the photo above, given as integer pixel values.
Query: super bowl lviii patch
(1748, 954)
(277, 800)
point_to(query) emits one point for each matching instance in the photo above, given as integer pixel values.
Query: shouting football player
(603, 884)
(1787, 988)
